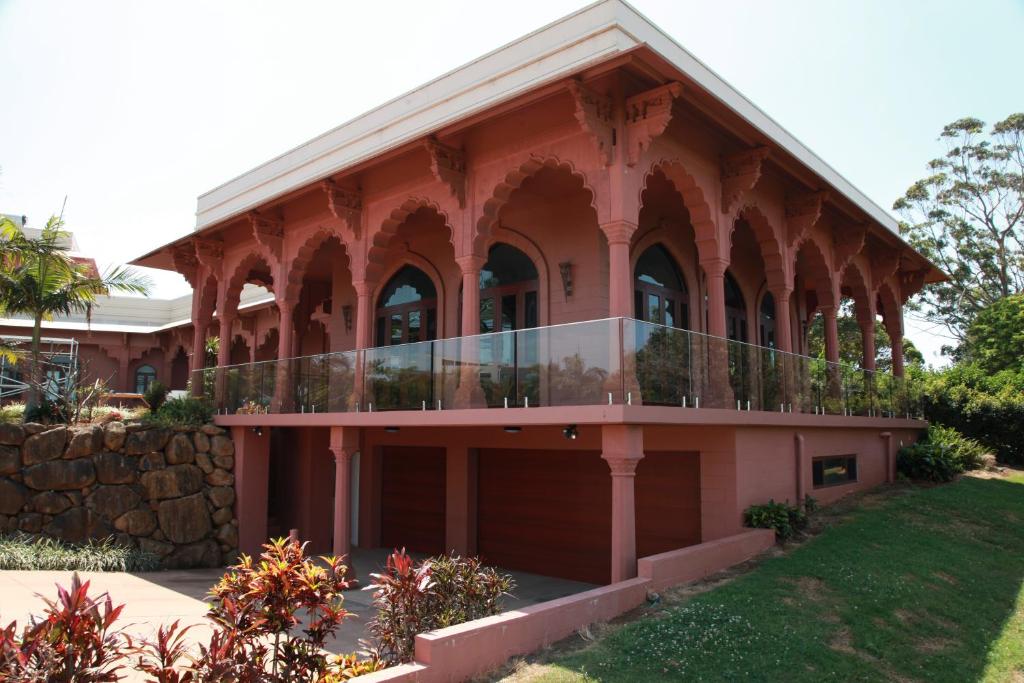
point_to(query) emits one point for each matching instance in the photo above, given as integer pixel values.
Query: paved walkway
(155, 598)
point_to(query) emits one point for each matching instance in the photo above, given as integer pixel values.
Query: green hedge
(986, 407)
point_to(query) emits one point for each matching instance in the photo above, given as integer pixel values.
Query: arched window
(508, 291)
(407, 308)
(145, 375)
(735, 310)
(766, 321)
(659, 289)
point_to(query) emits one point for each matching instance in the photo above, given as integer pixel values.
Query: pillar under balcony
(344, 444)
(461, 500)
(252, 471)
(622, 448)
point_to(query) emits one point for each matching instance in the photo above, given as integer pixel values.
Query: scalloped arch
(378, 243)
(773, 251)
(241, 273)
(854, 277)
(513, 181)
(701, 215)
(819, 267)
(304, 256)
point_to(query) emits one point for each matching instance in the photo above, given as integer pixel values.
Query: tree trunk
(34, 379)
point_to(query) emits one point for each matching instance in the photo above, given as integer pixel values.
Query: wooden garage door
(413, 498)
(547, 512)
(667, 502)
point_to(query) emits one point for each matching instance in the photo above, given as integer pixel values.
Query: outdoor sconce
(258, 431)
(513, 430)
(570, 432)
(565, 268)
(391, 430)
(346, 313)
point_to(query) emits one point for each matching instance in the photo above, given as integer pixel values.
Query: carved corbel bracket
(185, 262)
(346, 205)
(885, 261)
(448, 165)
(209, 253)
(594, 114)
(268, 231)
(740, 173)
(911, 282)
(802, 213)
(849, 242)
(647, 116)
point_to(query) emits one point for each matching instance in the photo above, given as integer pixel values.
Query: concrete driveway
(154, 598)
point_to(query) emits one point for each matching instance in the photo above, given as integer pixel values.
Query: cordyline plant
(259, 605)
(75, 642)
(438, 592)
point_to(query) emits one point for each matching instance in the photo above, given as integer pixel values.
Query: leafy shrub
(155, 395)
(188, 411)
(256, 607)
(925, 461)
(440, 591)
(940, 455)
(986, 407)
(75, 641)
(12, 412)
(46, 412)
(787, 520)
(24, 552)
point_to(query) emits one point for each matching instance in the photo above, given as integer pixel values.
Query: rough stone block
(44, 446)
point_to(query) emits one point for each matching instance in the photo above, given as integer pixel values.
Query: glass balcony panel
(399, 377)
(662, 357)
(574, 364)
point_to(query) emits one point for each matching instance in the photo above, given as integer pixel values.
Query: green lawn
(919, 585)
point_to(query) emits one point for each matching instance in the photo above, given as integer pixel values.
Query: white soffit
(589, 36)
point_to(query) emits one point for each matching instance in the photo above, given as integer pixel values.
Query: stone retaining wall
(166, 491)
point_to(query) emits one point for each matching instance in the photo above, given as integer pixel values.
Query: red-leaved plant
(440, 591)
(74, 641)
(276, 614)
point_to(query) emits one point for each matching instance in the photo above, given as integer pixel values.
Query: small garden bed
(24, 552)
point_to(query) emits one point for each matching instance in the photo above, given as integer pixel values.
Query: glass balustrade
(612, 361)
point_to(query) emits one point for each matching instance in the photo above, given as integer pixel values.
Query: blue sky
(132, 109)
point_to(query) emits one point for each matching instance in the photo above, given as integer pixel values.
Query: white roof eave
(556, 51)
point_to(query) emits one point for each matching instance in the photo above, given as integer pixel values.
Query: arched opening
(179, 370)
(508, 291)
(660, 294)
(766, 321)
(145, 375)
(735, 310)
(407, 308)
(239, 353)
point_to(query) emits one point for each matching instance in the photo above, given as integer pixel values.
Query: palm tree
(40, 279)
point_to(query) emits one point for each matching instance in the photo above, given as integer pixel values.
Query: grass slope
(925, 586)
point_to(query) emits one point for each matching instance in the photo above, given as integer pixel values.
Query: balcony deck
(615, 370)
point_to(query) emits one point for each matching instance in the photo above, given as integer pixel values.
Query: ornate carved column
(364, 314)
(895, 330)
(469, 393)
(831, 333)
(714, 272)
(867, 335)
(344, 444)
(281, 402)
(718, 392)
(783, 321)
(622, 449)
(223, 356)
(620, 278)
(833, 402)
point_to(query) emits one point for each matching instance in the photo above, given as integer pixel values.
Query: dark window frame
(851, 465)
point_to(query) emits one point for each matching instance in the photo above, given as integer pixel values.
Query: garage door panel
(413, 499)
(547, 512)
(667, 502)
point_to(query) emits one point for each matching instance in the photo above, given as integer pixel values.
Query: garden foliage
(787, 520)
(413, 598)
(188, 411)
(940, 456)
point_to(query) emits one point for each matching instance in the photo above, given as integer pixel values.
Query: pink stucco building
(549, 308)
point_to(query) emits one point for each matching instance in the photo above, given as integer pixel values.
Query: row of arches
(548, 217)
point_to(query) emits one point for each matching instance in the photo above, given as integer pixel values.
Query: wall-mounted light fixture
(346, 314)
(258, 431)
(570, 432)
(513, 430)
(391, 430)
(565, 268)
